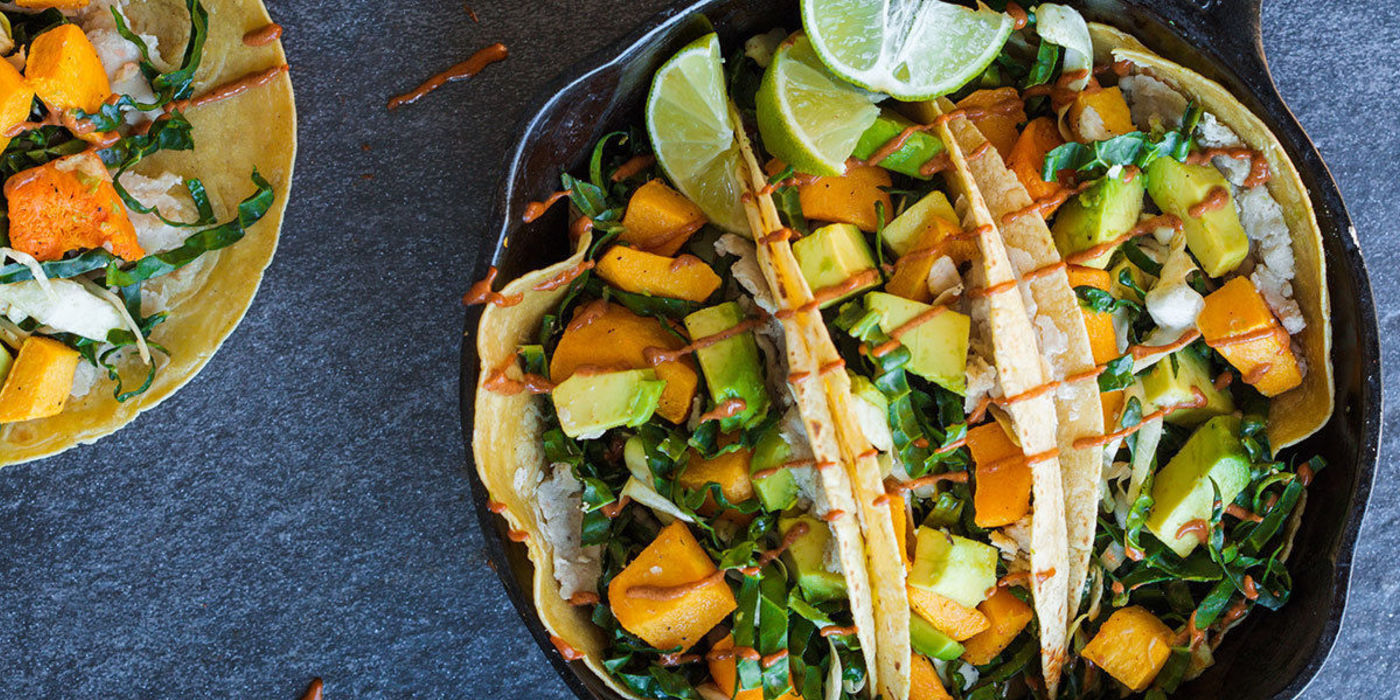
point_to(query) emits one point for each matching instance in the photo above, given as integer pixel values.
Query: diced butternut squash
(673, 559)
(725, 673)
(1028, 156)
(1103, 339)
(910, 279)
(1002, 492)
(997, 126)
(659, 219)
(64, 70)
(848, 199)
(58, 4)
(68, 204)
(949, 616)
(730, 470)
(901, 527)
(1099, 115)
(1132, 646)
(1006, 616)
(608, 336)
(924, 683)
(39, 380)
(632, 270)
(16, 97)
(1235, 310)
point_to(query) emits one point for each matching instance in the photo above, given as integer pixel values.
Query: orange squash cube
(64, 70)
(924, 683)
(910, 278)
(901, 527)
(1099, 114)
(1006, 617)
(68, 204)
(1132, 646)
(39, 380)
(616, 338)
(674, 558)
(999, 128)
(632, 270)
(1103, 339)
(1002, 492)
(725, 673)
(1028, 156)
(730, 470)
(659, 219)
(16, 97)
(1266, 362)
(949, 616)
(848, 199)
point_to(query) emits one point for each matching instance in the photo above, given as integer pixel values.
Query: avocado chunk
(1120, 290)
(1182, 491)
(903, 233)
(6, 361)
(953, 567)
(1170, 381)
(777, 491)
(1098, 215)
(831, 256)
(807, 557)
(928, 640)
(937, 345)
(1216, 237)
(732, 367)
(590, 404)
(919, 148)
(865, 390)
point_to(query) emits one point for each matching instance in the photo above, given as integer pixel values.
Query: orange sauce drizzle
(461, 71)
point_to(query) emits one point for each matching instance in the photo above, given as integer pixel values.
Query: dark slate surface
(301, 509)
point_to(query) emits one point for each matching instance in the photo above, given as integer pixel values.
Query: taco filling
(110, 242)
(1055, 304)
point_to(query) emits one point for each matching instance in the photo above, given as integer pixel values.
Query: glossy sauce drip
(632, 166)
(313, 691)
(1018, 16)
(797, 180)
(1018, 578)
(936, 164)
(565, 649)
(768, 556)
(832, 366)
(1198, 400)
(579, 227)
(518, 535)
(881, 500)
(954, 445)
(498, 382)
(661, 593)
(1142, 229)
(796, 377)
(824, 464)
(980, 150)
(535, 210)
(614, 509)
(564, 277)
(1257, 373)
(481, 292)
(583, 598)
(998, 288)
(1042, 206)
(1250, 591)
(770, 471)
(778, 236)
(678, 659)
(835, 630)
(1242, 514)
(1043, 576)
(833, 515)
(1223, 380)
(1198, 527)
(937, 250)
(726, 409)
(979, 411)
(230, 89)
(868, 454)
(1305, 474)
(496, 507)
(1258, 166)
(263, 35)
(1140, 351)
(745, 653)
(904, 328)
(461, 71)
(1216, 198)
(931, 479)
(1235, 612)
(773, 658)
(656, 356)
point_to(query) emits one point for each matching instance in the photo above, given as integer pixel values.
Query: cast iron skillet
(1273, 654)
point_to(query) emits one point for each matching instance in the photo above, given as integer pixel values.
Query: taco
(639, 428)
(147, 159)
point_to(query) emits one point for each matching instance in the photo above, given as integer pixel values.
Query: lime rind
(909, 49)
(687, 119)
(809, 118)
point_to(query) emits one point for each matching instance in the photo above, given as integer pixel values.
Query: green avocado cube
(1182, 491)
(807, 557)
(1216, 237)
(928, 640)
(1170, 381)
(776, 491)
(6, 361)
(919, 148)
(903, 233)
(1098, 215)
(590, 404)
(831, 256)
(954, 567)
(732, 367)
(937, 345)
(1120, 290)
(865, 390)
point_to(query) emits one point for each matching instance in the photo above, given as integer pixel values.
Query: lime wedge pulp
(688, 122)
(809, 118)
(908, 49)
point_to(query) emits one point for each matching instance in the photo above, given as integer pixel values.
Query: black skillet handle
(1234, 24)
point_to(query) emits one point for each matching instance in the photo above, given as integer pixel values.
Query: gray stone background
(301, 508)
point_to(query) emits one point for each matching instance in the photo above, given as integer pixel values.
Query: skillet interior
(1271, 654)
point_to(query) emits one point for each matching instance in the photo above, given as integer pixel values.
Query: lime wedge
(688, 122)
(908, 49)
(809, 118)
